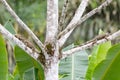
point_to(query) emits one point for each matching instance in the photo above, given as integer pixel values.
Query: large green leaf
(98, 55)
(109, 69)
(74, 67)
(3, 60)
(25, 63)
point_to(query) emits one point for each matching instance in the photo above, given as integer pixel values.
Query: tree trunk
(51, 70)
(51, 46)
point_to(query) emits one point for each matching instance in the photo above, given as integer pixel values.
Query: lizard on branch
(27, 43)
(99, 37)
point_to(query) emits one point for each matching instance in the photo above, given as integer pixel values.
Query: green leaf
(3, 60)
(109, 69)
(8, 25)
(101, 31)
(29, 74)
(16, 73)
(98, 55)
(74, 67)
(62, 75)
(10, 77)
(26, 62)
(93, 4)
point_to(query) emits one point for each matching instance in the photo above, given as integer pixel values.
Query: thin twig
(63, 14)
(76, 18)
(91, 13)
(11, 37)
(91, 44)
(22, 24)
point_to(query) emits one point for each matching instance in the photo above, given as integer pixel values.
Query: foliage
(3, 60)
(108, 69)
(8, 25)
(74, 67)
(103, 64)
(27, 66)
(98, 55)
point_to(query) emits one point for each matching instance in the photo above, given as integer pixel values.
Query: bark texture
(51, 46)
(51, 70)
(52, 21)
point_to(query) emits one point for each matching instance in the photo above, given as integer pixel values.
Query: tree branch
(52, 21)
(66, 33)
(22, 24)
(52, 27)
(76, 17)
(63, 14)
(11, 37)
(91, 44)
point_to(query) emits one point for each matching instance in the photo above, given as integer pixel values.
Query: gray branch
(91, 44)
(22, 24)
(11, 37)
(63, 14)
